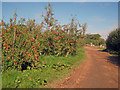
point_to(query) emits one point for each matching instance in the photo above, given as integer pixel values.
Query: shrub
(113, 40)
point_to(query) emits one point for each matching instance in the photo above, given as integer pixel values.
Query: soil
(99, 70)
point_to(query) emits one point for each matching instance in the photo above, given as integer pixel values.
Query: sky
(101, 17)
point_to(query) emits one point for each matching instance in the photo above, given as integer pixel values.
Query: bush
(25, 42)
(113, 40)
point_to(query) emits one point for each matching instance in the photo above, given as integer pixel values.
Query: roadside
(98, 71)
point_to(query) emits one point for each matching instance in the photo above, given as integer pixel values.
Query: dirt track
(100, 70)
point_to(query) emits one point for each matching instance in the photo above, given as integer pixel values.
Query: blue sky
(101, 17)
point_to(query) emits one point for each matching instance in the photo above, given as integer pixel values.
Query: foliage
(93, 36)
(94, 39)
(113, 41)
(24, 43)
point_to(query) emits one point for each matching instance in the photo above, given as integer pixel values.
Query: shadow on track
(114, 60)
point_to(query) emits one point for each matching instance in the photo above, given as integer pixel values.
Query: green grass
(101, 48)
(42, 77)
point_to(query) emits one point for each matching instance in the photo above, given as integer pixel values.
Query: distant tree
(102, 42)
(94, 36)
(95, 39)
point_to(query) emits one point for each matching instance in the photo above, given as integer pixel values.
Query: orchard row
(24, 42)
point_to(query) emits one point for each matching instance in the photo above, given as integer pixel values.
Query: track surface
(100, 70)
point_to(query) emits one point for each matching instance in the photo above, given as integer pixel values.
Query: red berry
(11, 53)
(30, 38)
(55, 38)
(47, 12)
(51, 29)
(26, 31)
(56, 32)
(32, 46)
(68, 50)
(28, 54)
(3, 45)
(40, 26)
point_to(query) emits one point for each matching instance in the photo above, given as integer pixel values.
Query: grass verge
(53, 69)
(101, 48)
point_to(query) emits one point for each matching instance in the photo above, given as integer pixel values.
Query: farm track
(100, 70)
